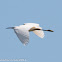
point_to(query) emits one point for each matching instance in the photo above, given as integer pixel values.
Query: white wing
(23, 35)
(39, 33)
(32, 24)
(22, 32)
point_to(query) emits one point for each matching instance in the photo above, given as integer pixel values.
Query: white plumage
(22, 31)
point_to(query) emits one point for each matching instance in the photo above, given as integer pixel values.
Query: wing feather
(39, 33)
(23, 35)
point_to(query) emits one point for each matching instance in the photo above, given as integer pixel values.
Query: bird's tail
(10, 28)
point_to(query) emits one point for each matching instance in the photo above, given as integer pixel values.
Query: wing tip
(25, 44)
(42, 37)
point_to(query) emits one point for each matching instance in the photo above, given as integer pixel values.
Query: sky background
(48, 13)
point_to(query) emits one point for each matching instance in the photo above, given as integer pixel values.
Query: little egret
(22, 31)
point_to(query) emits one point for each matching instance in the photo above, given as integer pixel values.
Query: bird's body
(22, 31)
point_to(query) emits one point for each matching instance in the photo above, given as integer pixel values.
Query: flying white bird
(22, 31)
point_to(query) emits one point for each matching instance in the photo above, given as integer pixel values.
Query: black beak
(10, 28)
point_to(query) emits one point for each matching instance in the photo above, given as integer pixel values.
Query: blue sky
(48, 13)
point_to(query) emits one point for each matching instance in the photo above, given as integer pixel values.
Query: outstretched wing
(23, 35)
(39, 33)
